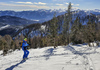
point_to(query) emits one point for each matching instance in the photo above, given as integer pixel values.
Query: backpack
(20, 43)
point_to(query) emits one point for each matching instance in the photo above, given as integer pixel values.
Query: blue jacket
(24, 45)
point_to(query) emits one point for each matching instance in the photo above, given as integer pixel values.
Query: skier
(24, 48)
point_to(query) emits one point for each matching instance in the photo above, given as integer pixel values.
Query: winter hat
(25, 39)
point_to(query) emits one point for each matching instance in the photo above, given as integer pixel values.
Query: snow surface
(3, 27)
(43, 27)
(73, 57)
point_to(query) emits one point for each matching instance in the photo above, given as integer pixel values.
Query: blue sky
(20, 5)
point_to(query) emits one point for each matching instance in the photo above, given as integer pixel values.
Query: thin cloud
(72, 4)
(39, 3)
(59, 4)
(66, 3)
(77, 4)
(32, 6)
(23, 6)
(24, 2)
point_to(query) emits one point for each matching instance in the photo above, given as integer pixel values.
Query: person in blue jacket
(24, 48)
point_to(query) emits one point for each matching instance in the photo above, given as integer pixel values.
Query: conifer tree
(66, 25)
(76, 32)
(53, 30)
(90, 32)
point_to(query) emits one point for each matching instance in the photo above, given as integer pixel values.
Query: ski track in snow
(86, 61)
(77, 57)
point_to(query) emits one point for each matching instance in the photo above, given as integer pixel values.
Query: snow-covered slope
(77, 57)
(3, 27)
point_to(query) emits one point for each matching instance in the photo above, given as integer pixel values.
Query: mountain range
(36, 15)
(12, 22)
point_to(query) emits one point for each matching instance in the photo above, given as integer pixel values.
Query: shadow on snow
(13, 66)
(81, 52)
(49, 53)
